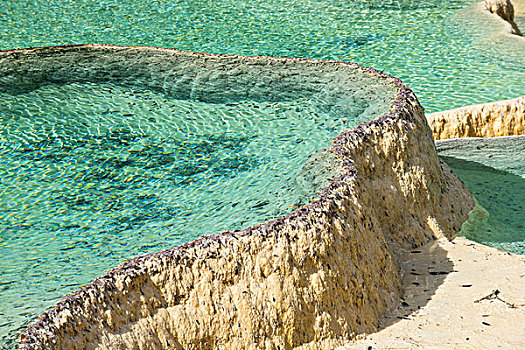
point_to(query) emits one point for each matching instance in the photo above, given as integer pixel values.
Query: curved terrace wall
(313, 278)
(501, 118)
(491, 30)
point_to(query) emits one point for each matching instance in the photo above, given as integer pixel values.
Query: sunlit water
(417, 41)
(94, 174)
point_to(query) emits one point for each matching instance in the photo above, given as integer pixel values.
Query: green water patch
(93, 174)
(494, 171)
(499, 218)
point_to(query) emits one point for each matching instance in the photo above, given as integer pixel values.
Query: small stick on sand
(495, 295)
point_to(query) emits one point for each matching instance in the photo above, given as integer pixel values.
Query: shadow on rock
(424, 270)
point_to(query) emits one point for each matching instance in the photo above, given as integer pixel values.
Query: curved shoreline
(499, 27)
(505, 10)
(322, 273)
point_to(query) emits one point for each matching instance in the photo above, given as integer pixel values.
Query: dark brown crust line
(392, 193)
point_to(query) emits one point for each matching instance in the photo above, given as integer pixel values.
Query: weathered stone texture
(312, 279)
(505, 10)
(502, 118)
(502, 8)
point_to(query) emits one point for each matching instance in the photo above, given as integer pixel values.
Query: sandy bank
(449, 301)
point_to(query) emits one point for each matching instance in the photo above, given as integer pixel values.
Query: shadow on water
(500, 217)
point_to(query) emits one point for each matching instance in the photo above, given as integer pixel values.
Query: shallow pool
(128, 183)
(418, 41)
(93, 174)
(493, 169)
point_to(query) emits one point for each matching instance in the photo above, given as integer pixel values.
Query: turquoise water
(494, 171)
(417, 41)
(93, 174)
(130, 182)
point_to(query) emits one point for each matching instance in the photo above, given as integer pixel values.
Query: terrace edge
(320, 275)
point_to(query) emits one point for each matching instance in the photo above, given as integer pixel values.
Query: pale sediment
(519, 7)
(462, 294)
(316, 277)
(459, 295)
(491, 35)
(501, 118)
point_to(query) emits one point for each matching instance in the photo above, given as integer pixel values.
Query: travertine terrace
(501, 118)
(313, 278)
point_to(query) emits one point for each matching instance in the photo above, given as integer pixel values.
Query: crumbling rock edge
(500, 118)
(314, 278)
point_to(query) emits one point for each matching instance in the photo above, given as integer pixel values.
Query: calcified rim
(402, 104)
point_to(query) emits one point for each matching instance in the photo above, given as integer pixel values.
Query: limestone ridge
(501, 118)
(312, 279)
(505, 10)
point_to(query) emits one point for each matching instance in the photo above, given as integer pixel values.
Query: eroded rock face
(505, 10)
(502, 8)
(502, 118)
(312, 279)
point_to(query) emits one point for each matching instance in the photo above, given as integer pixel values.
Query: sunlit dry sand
(459, 295)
